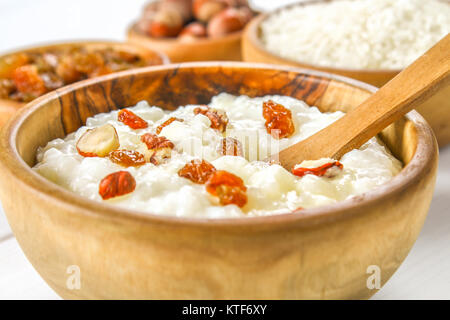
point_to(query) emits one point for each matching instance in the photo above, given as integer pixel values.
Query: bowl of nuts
(193, 30)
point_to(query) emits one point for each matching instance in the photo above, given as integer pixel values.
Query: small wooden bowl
(435, 110)
(323, 253)
(9, 107)
(207, 49)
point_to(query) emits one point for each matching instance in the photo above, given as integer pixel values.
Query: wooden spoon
(409, 88)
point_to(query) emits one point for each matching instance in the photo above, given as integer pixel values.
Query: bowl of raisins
(30, 73)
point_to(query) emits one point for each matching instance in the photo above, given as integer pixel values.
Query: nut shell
(205, 10)
(193, 30)
(228, 21)
(166, 23)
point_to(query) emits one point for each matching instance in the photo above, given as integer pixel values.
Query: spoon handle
(408, 89)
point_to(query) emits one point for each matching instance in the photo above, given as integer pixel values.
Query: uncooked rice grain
(357, 34)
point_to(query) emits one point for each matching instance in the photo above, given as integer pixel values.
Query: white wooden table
(425, 274)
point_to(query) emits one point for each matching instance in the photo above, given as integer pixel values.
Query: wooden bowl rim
(133, 31)
(251, 33)
(49, 45)
(10, 160)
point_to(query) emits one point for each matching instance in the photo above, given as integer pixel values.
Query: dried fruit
(66, 69)
(230, 147)
(11, 62)
(88, 63)
(120, 56)
(229, 188)
(158, 148)
(52, 81)
(278, 120)
(116, 184)
(166, 123)
(98, 142)
(319, 171)
(6, 88)
(155, 142)
(131, 119)
(219, 119)
(27, 81)
(127, 158)
(38, 71)
(198, 171)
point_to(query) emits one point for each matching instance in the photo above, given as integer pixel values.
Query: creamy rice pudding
(207, 161)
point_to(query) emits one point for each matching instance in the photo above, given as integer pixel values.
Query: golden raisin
(198, 171)
(166, 123)
(127, 158)
(66, 69)
(278, 120)
(9, 63)
(88, 63)
(219, 119)
(120, 56)
(319, 171)
(27, 81)
(6, 88)
(116, 184)
(229, 188)
(230, 147)
(131, 119)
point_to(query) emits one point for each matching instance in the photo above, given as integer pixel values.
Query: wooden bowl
(323, 253)
(435, 110)
(9, 107)
(207, 49)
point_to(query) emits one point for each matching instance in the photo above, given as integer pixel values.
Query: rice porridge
(206, 161)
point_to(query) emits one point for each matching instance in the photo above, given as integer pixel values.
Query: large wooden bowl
(323, 253)
(203, 49)
(152, 57)
(435, 110)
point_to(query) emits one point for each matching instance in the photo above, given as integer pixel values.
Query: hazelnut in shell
(192, 31)
(204, 10)
(228, 21)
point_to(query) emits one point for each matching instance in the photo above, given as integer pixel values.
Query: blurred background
(25, 22)
(425, 274)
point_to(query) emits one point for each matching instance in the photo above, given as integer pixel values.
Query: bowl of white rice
(371, 41)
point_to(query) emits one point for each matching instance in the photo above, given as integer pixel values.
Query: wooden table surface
(425, 274)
